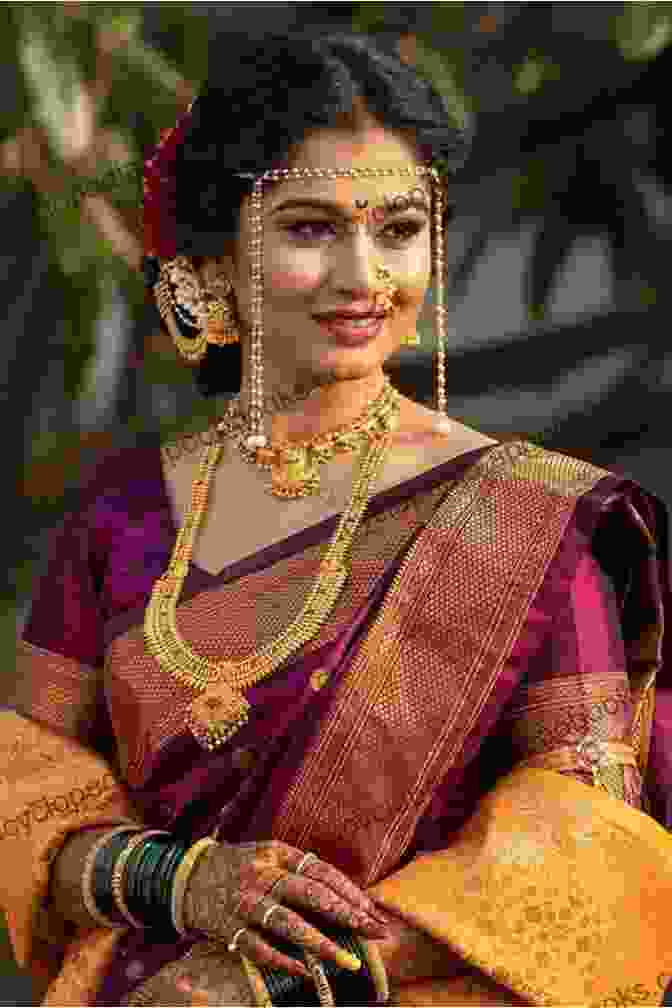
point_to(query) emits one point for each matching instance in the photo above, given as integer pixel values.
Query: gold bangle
(261, 993)
(180, 879)
(324, 992)
(87, 878)
(374, 961)
(118, 874)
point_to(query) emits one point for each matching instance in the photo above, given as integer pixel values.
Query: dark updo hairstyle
(262, 96)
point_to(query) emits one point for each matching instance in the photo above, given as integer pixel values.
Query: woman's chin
(347, 365)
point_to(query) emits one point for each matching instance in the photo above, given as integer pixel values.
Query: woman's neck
(302, 411)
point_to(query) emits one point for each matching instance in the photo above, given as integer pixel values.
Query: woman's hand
(230, 888)
(206, 975)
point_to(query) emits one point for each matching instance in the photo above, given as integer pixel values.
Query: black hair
(262, 96)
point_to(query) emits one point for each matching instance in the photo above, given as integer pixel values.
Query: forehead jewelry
(397, 203)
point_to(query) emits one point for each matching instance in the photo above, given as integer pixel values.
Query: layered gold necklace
(221, 709)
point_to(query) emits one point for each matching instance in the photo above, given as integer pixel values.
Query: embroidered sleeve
(60, 654)
(574, 712)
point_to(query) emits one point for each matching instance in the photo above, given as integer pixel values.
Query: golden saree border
(63, 695)
(430, 661)
(51, 786)
(559, 893)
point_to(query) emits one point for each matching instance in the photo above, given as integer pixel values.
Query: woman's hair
(261, 98)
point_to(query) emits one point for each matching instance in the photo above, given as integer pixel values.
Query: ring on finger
(276, 884)
(304, 860)
(273, 907)
(233, 944)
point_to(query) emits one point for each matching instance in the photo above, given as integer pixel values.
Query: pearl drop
(256, 441)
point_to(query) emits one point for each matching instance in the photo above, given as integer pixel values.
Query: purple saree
(575, 670)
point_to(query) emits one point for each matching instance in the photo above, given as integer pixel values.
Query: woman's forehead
(347, 192)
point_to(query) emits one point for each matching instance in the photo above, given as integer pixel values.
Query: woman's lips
(345, 332)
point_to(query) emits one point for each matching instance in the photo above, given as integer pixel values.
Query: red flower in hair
(159, 192)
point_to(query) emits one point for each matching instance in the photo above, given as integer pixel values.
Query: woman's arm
(65, 891)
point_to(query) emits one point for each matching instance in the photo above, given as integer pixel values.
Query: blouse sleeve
(58, 768)
(60, 654)
(579, 706)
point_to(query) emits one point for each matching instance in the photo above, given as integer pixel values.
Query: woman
(436, 711)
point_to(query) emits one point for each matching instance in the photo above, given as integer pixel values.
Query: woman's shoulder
(116, 468)
(600, 498)
(522, 460)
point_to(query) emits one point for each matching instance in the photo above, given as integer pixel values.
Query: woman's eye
(298, 229)
(409, 229)
(311, 230)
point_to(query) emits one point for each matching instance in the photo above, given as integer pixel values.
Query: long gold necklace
(221, 709)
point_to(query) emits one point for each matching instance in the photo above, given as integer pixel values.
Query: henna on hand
(230, 889)
(206, 975)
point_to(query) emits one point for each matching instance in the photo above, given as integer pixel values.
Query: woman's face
(322, 259)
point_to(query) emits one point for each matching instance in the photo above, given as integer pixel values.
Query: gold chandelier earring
(222, 324)
(208, 313)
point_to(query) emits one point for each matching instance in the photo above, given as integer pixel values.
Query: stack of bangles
(138, 878)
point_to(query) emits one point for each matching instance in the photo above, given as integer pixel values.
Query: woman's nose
(355, 266)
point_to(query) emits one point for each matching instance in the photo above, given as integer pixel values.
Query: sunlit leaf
(435, 67)
(56, 88)
(529, 76)
(643, 29)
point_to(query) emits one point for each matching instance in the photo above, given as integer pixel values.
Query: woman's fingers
(289, 925)
(322, 871)
(311, 895)
(260, 952)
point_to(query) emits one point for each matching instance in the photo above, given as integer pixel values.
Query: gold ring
(271, 909)
(299, 868)
(233, 943)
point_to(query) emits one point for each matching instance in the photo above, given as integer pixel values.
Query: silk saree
(479, 736)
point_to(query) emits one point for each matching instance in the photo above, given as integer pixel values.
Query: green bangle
(136, 903)
(348, 988)
(167, 876)
(154, 880)
(162, 882)
(146, 877)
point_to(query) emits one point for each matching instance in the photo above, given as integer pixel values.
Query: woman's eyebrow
(323, 204)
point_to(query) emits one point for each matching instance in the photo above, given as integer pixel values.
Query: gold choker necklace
(294, 466)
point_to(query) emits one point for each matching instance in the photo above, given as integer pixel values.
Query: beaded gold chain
(221, 709)
(295, 465)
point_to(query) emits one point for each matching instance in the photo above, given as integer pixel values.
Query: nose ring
(385, 303)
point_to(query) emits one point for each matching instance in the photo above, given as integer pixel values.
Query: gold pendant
(217, 714)
(295, 475)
